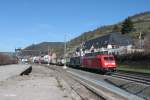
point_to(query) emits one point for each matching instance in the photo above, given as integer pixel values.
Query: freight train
(99, 61)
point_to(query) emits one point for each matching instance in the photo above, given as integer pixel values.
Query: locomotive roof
(96, 53)
(115, 38)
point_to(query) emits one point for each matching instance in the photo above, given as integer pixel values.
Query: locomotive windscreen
(108, 58)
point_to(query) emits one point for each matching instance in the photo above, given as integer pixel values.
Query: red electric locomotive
(99, 61)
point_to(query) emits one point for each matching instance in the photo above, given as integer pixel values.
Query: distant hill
(42, 48)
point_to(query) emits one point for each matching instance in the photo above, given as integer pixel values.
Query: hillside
(42, 48)
(141, 23)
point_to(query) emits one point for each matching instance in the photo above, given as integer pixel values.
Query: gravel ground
(40, 84)
(80, 90)
(54, 83)
(7, 71)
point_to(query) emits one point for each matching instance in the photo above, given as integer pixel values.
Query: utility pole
(48, 55)
(65, 46)
(48, 50)
(140, 37)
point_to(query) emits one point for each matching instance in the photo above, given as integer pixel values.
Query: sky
(26, 22)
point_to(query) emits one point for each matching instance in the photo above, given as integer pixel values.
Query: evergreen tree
(127, 26)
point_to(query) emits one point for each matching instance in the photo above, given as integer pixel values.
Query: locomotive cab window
(108, 58)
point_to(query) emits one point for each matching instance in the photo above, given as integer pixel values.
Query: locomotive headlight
(105, 64)
(113, 63)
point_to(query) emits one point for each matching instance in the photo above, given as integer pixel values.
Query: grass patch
(133, 69)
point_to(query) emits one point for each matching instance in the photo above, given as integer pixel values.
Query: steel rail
(139, 78)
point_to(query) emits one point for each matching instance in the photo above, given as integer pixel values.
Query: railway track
(96, 84)
(135, 77)
(100, 89)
